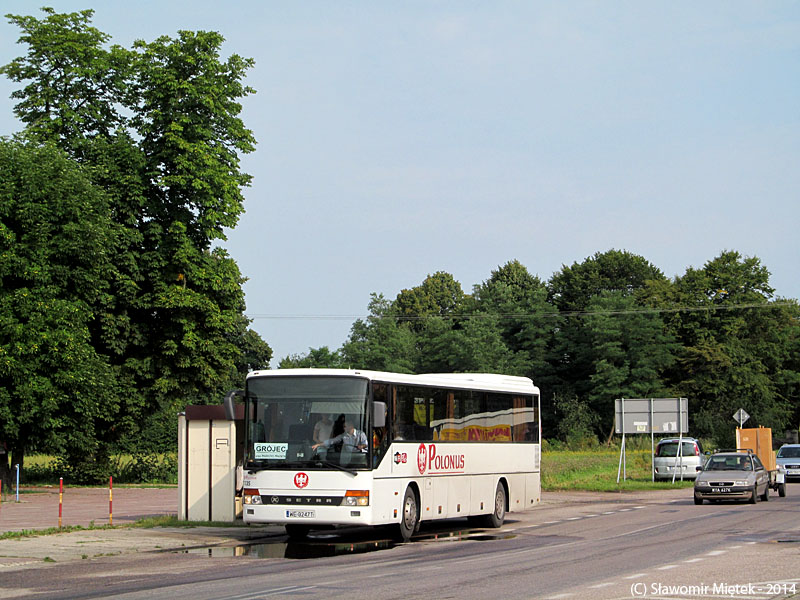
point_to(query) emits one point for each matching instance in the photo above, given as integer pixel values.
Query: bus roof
(476, 381)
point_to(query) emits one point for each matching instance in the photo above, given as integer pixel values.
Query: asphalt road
(655, 545)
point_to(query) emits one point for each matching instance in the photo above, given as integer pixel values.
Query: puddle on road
(330, 544)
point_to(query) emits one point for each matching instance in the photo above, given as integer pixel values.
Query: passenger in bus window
(401, 430)
(323, 428)
(353, 439)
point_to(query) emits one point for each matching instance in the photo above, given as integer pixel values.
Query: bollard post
(60, 498)
(110, 487)
(17, 499)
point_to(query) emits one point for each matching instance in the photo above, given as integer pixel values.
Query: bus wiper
(319, 462)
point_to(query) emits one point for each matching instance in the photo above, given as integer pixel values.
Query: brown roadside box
(760, 442)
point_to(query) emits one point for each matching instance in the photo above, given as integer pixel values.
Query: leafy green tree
(381, 342)
(439, 295)
(736, 346)
(74, 82)
(630, 351)
(158, 128)
(186, 112)
(519, 301)
(317, 358)
(475, 345)
(573, 290)
(56, 240)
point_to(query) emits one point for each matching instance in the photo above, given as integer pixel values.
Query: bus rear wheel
(409, 518)
(497, 516)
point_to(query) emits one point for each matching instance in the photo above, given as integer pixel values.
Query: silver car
(788, 459)
(732, 476)
(667, 463)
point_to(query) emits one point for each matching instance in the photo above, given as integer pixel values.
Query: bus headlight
(356, 498)
(251, 496)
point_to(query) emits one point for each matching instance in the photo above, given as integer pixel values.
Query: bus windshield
(309, 422)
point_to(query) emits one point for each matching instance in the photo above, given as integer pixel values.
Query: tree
(56, 240)
(474, 345)
(573, 290)
(380, 342)
(527, 320)
(318, 358)
(615, 270)
(630, 351)
(736, 346)
(75, 83)
(157, 128)
(439, 295)
(186, 112)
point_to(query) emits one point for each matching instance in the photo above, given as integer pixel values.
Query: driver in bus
(352, 438)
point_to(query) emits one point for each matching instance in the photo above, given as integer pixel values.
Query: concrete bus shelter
(210, 446)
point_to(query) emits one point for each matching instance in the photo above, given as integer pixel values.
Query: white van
(667, 462)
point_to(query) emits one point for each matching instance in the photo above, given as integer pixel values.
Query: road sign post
(648, 415)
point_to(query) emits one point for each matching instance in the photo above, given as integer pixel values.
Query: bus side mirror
(230, 410)
(379, 414)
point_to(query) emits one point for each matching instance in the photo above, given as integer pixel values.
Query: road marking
(693, 560)
(667, 567)
(609, 512)
(590, 516)
(625, 509)
(637, 576)
(273, 592)
(638, 507)
(574, 519)
(550, 522)
(559, 596)
(601, 585)
(716, 552)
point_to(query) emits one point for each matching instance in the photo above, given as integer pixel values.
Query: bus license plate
(725, 490)
(300, 514)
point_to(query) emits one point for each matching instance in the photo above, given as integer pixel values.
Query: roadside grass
(172, 521)
(144, 523)
(596, 471)
(25, 533)
(149, 470)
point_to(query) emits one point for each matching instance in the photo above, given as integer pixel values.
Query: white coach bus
(345, 447)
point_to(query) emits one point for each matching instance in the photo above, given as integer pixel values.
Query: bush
(147, 468)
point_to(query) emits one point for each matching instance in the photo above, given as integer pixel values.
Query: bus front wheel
(409, 519)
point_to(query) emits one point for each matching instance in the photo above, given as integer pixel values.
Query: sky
(397, 139)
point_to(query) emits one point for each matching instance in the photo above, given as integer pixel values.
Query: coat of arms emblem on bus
(422, 459)
(301, 480)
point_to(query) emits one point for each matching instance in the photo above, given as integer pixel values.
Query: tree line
(116, 307)
(612, 326)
